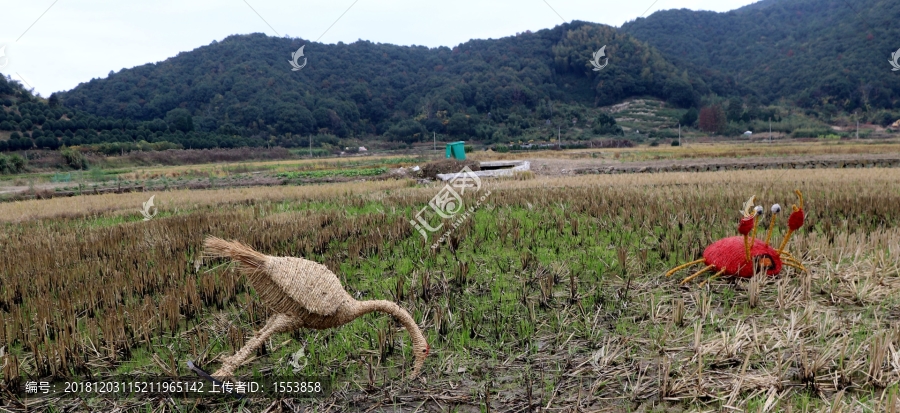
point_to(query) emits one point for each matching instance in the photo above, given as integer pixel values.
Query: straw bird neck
(419, 345)
(361, 308)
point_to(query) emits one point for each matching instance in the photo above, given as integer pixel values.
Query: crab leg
(797, 266)
(722, 271)
(747, 246)
(791, 260)
(683, 266)
(771, 228)
(697, 274)
(755, 227)
(784, 242)
(795, 221)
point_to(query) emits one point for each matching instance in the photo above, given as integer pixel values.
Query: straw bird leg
(683, 266)
(722, 271)
(276, 324)
(697, 274)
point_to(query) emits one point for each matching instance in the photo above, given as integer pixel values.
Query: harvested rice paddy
(549, 296)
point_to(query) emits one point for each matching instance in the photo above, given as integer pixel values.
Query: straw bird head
(421, 349)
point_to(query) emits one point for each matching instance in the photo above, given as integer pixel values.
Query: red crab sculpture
(745, 255)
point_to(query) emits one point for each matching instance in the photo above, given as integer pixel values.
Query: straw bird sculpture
(302, 293)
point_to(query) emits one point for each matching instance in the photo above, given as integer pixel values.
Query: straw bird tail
(248, 259)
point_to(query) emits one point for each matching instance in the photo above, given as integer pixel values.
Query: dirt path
(38, 187)
(49, 190)
(540, 166)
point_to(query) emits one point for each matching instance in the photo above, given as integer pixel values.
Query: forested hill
(244, 85)
(825, 54)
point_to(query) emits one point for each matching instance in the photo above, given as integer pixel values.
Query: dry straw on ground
(130, 203)
(563, 318)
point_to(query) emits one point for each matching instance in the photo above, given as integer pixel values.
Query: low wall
(736, 164)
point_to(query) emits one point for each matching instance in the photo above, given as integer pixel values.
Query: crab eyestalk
(758, 211)
(795, 221)
(745, 226)
(776, 209)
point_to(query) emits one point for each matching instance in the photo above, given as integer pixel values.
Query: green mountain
(829, 55)
(491, 90)
(29, 122)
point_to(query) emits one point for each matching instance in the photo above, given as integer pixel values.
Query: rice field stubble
(551, 295)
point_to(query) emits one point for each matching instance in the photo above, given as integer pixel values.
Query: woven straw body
(295, 285)
(729, 254)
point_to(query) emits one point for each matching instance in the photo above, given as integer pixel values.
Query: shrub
(809, 132)
(662, 133)
(712, 119)
(18, 144)
(11, 164)
(605, 124)
(733, 129)
(74, 159)
(48, 142)
(690, 117)
(447, 166)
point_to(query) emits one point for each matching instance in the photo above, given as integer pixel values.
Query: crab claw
(748, 207)
(745, 226)
(795, 221)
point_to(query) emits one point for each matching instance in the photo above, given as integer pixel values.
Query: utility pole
(679, 133)
(434, 137)
(558, 134)
(857, 128)
(310, 146)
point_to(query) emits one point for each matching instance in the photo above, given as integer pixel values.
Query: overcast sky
(53, 45)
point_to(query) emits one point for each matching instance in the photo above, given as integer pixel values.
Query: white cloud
(77, 41)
